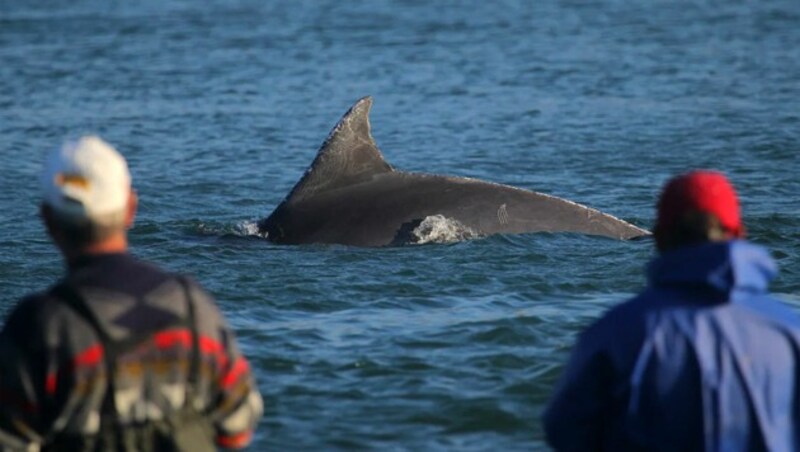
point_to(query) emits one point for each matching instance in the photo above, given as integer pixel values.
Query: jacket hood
(720, 266)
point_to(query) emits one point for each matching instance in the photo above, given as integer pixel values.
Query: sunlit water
(220, 107)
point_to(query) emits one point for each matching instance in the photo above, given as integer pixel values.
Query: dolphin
(350, 195)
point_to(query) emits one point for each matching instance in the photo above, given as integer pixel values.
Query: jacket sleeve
(237, 405)
(574, 418)
(20, 378)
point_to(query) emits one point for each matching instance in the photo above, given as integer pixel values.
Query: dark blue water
(221, 106)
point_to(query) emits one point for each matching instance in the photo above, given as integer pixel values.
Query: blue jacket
(703, 359)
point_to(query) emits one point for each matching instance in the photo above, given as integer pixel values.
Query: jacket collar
(88, 260)
(723, 267)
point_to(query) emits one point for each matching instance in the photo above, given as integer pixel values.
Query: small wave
(440, 229)
(248, 228)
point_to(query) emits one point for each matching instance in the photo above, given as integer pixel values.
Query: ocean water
(220, 106)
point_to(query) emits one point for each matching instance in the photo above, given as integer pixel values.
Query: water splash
(440, 229)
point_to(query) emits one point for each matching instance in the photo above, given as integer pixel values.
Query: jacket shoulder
(624, 317)
(41, 320)
(772, 310)
(31, 314)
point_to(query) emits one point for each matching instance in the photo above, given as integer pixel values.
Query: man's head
(697, 207)
(88, 199)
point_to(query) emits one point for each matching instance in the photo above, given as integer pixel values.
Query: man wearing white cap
(178, 380)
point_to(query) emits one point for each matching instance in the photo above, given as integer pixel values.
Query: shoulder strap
(194, 357)
(74, 300)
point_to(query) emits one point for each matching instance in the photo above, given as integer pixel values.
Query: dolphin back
(350, 195)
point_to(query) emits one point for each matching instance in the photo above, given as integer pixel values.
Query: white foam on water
(440, 229)
(249, 229)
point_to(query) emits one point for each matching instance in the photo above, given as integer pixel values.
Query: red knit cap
(703, 191)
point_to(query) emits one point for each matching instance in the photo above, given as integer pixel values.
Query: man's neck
(117, 243)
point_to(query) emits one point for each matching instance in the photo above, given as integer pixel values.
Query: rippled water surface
(220, 107)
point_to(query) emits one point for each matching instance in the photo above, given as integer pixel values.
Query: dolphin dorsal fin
(348, 156)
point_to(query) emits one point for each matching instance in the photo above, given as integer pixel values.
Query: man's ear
(130, 214)
(46, 214)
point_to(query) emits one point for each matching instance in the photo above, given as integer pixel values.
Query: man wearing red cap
(703, 359)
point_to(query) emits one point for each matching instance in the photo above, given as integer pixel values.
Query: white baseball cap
(86, 180)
